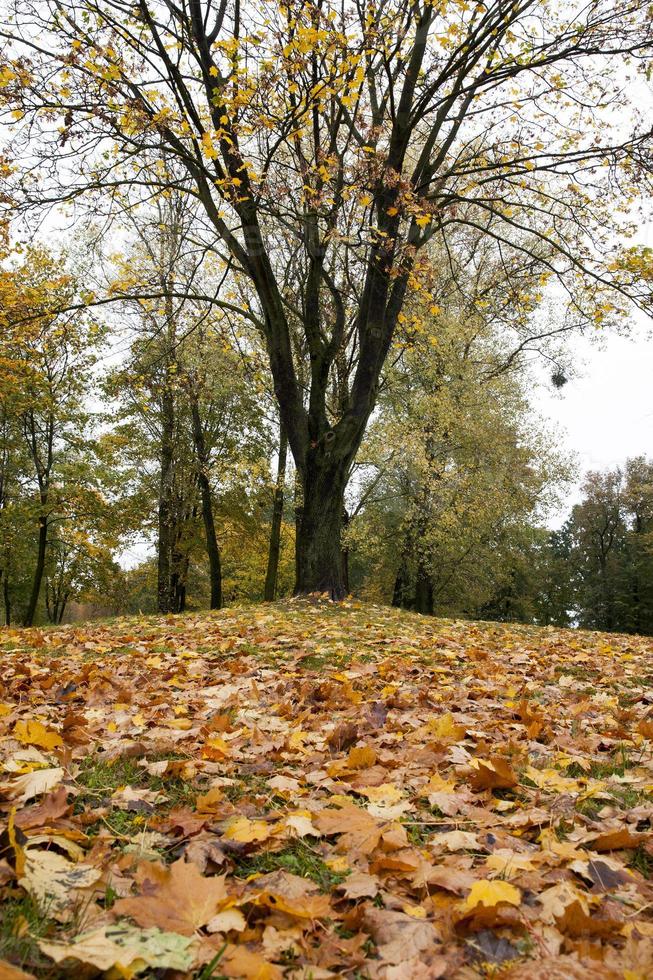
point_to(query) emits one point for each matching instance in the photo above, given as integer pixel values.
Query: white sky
(605, 413)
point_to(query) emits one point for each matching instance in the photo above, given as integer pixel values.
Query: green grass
(22, 924)
(99, 779)
(298, 858)
(641, 861)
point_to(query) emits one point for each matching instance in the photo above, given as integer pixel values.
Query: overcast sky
(605, 413)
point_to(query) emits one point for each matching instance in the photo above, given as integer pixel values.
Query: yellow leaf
(361, 758)
(34, 733)
(490, 893)
(446, 729)
(244, 830)
(415, 911)
(385, 793)
(214, 748)
(296, 740)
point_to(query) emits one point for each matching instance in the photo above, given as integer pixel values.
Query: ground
(307, 790)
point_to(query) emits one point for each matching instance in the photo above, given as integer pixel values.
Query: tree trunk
(277, 515)
(345, 552)
(320, 566)
(423, 591)
(164, 543)
(7, 601)
(212, 546)
(38, 571)
(62, 609)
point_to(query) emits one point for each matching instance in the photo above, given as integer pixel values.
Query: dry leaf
(31, 732)
(177, 899)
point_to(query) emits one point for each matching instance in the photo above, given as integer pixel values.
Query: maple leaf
(490, 893)
(124, 948)
(399, 936)
(32, 732)
(50, 809)
(493, 773)
(52, 880)
(32, 784)
(289, 893)
(244, 831)
(175, 899)
(359, 830)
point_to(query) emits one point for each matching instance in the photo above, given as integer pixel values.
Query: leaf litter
(307, 790)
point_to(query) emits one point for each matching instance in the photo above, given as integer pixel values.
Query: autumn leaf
(399, 936)
(291, 894)
(124, 948)
(490, 893)
(495, 773)
(31, 784)
(245, 831)
(177, 899)
(9, 972)
(31, 732)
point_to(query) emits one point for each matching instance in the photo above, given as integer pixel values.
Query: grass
(99, 779)
(298, 858)
(641, 861)
(22, 924)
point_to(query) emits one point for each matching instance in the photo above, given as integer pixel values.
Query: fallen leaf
(489, 893)
(493, 773)
(399, 936)
(125, 948)
(175, 899)
(32, 784)
(31, 732)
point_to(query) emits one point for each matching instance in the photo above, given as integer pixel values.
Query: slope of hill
(307, 790)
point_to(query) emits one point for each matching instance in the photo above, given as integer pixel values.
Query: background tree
(188, 397)
(456, 473)
(47, 449)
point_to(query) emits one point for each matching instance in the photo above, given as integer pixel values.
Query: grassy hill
(309, 790)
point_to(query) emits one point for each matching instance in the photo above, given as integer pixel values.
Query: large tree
(327, 143)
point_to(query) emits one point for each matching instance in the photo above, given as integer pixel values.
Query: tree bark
(62, 609)
(38, 571)
(212, 546)
(320, 566)
(7, 601)
(277, 515)
(164, 543)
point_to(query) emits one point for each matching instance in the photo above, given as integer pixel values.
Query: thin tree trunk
(64, 603)
(298, 509)
(277, 515)
(7, 601)
(38, 570)
(345, 552)
(164, 543)
(212, 546)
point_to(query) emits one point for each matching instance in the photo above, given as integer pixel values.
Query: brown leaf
(289, 893)
(9, 972)
(495, 773)
(360, 885)
(398, 936)
(360, 831)
(343, 736)
(51, 808)
(175, 899)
